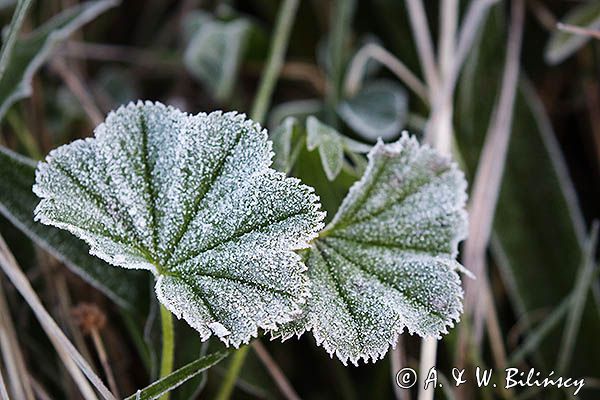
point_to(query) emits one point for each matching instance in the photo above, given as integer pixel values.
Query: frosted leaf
(330, 145)
(379, 110)
(386, 262)
(191, 198)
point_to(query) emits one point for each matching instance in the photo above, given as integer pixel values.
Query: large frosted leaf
(32, 51)
(387, 260)
(192, 199)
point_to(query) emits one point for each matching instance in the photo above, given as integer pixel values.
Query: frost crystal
(191, 198)
(387, 260)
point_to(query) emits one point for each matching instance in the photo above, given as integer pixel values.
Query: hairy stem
(168, 345)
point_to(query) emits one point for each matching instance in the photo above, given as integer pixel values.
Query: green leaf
(192, 199)
(563, 44)
(32, 51)
(175, 379)
(379, 110)
(286, 144)
(17, 202)
(387, 260)
(12, 33)
(330, 145)
(214, 52)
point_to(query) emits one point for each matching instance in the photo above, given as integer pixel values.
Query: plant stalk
(281, 35)
(235, 366)
(168, 345)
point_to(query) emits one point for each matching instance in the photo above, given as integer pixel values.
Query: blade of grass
(178, 377)
(66, 350)
(579, 297)
(488, 177)
(13, 31)
(276, 373)
(11, 353)
(540, 332)
(422, 36)
(441, 101)
(577, 30)
(77, 87)
(426, 362)
(397, 362)
(376, 52)
(3, 392)
(494, 331)
(440, 133)
(281, 35)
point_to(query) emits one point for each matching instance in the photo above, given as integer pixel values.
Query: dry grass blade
(422, 36)
(577, 30)
(3, 392)
(376, 52)
(276, 373)
(447, 36)
(475, 15)
(540, 332)
(427, 361)
(77, 87)
(11, 353)
(451, 63)
(397, 362)
(489, 172)
(578, 299)
(66, 350)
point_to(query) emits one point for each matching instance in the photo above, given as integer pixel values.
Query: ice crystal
(387, 260)
(193, 199)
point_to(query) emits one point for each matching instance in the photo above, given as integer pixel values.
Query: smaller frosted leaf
(563, 44)
(285, 142)
(192, 199)
(386, 262)
(330, 145)
(379, 110)
(214, 54)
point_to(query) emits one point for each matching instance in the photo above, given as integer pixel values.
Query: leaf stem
(235, 366)
(168, 345)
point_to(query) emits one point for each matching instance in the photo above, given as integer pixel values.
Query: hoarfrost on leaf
(386, 262)
(193, 199)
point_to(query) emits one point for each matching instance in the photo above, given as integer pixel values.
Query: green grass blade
(13, 31)
(579, 296)
(539, 333)
(178, 377)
